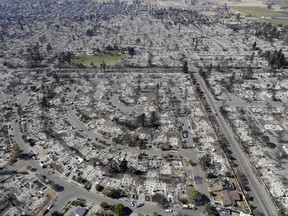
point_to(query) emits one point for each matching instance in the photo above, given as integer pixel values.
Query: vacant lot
(96, 60)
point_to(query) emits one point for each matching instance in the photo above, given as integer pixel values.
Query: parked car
(139, 204)
(50, 206)
(185, 134)
(42, 165)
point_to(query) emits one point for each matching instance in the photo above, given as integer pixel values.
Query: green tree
(211, 210)
(210, 175)
(155, 214)
(90, 32)
(49, 47)
(193, 195)
(254, 45)
(276, 59)
(281, 212)
(250, 72)
(142, 119)
(99, 187)
(164, 146)
(57, 187)
(16, 152)
(78, 202)
(160, 199)
(205, 161)
(229, 174)
(131, 51)
(118, 209)
(185, 67)
(113, 193)
(55, 213)
(155, 120)
(123, 165)
(104, 205)
(242, 179)
(103, 66)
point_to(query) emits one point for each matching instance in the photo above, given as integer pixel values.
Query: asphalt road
(197, 172)
(265, 201)
(74, 120)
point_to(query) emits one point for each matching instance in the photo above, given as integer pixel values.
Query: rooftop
(229, 197)
(76, 211)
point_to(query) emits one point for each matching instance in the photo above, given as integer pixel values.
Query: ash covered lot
(256, 109)
(119, 130)
(142, 102)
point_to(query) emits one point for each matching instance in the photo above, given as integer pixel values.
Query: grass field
(96, 60)
(282, 3)
(262, 12)
(257, 11)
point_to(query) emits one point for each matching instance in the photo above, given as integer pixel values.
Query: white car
(50, 206)
(168, 210)
(42, 165)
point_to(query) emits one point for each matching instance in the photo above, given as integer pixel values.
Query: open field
(257, 11)
(96, 60)
(262, 12)
(277, 22)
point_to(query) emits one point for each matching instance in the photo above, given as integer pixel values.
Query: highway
(265, 201)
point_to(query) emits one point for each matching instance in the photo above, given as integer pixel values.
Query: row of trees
(131, 140)
(153, 122)
(276, 59)
(141, 121)
(110, 192)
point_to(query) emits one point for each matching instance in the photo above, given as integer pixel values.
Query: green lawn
(262, 12)
(186, 162)
(96, 60)
(257, 11)
(277, 22)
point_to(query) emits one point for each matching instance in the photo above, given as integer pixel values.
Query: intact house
(230, 198)
(76, 211)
